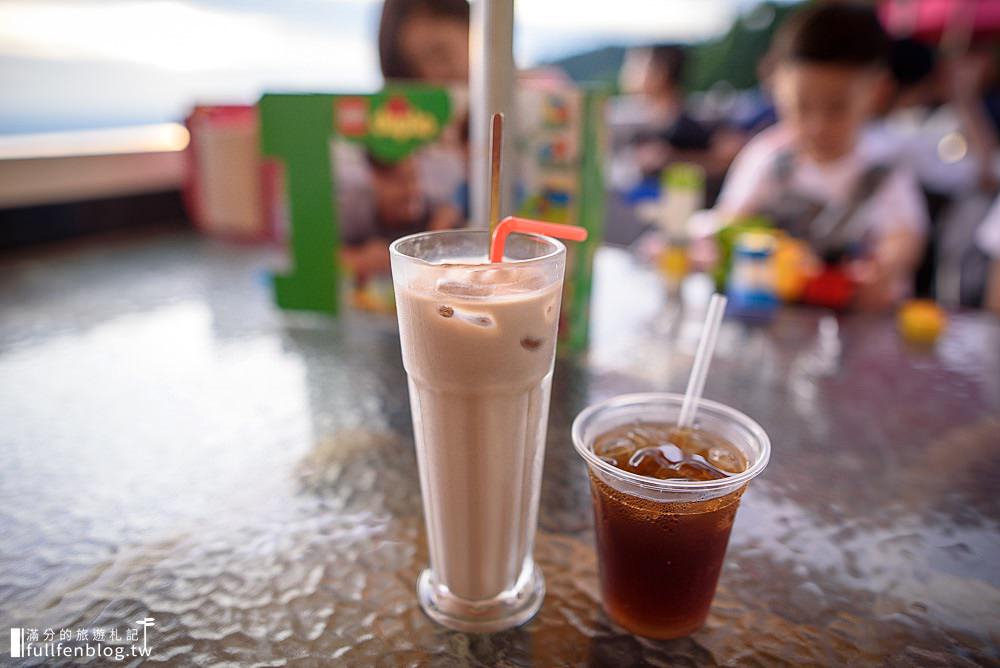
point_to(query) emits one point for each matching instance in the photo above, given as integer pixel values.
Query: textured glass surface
(174, 447)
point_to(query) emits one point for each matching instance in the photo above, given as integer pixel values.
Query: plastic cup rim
(559, 248)
(673, 485)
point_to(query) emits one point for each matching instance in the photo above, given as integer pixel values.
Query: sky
(96, 63)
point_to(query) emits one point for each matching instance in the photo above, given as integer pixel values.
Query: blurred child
(816, 174)
(425, 40)
(396, 205)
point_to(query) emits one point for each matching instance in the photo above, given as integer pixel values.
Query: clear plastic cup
(478, 343)
(660, 543)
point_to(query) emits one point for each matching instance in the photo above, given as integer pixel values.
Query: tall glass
(478, 342)
(660, 543)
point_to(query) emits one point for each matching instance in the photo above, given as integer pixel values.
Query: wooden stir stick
(496, 159)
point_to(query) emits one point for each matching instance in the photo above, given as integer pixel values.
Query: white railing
(65, 166)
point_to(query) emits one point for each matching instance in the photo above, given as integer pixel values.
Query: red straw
(513, 224)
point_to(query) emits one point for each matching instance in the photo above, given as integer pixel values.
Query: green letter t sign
(296, 130)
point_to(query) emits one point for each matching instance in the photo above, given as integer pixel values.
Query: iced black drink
(664, 503)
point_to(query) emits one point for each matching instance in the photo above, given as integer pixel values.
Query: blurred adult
(939, 120)
(424, 40)
(754, 110)
(934, 114)
(652, 119)
(972, 90)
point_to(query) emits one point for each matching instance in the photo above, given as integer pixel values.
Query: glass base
(656, 632)
(505, 611)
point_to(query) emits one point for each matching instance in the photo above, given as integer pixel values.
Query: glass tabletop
(175, 449)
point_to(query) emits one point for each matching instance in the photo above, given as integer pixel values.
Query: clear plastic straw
(702, 360)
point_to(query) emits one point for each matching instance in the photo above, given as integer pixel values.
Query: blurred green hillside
(731, 58)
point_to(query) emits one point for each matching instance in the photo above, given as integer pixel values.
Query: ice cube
(509, 280)
(530, 343)
(650, 462)
(725, 458)
(477, 319)
(693, 470)
(647, 436)
(639, 456)
(684, 439)
(699, 462)
(529, 281)
(463, 289)
(671, 453)
(614, 448)
(496, 276)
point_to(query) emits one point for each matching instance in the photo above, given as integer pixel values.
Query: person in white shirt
(815, 174)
